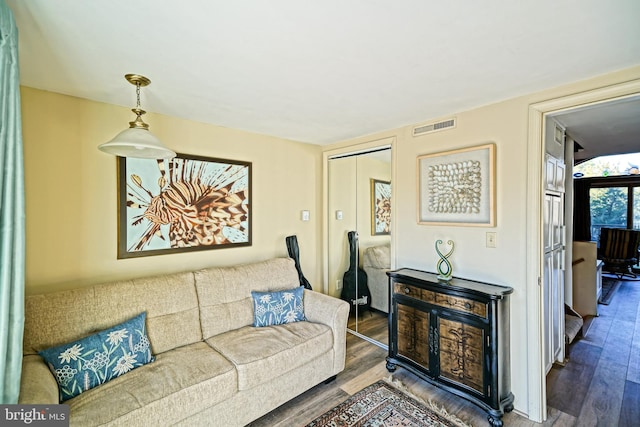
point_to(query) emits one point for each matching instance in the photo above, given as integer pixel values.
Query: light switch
(306, 215)
(338, 215)
(491, 239)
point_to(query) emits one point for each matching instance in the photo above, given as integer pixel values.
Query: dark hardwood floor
(598, 386)
(373, 324)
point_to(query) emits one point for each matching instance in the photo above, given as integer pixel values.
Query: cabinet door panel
(557, 222)
(547, 224)
(413, 334)
(560, 176)
(461, 353)
(557, 305)
(550, 172)
(546, 306)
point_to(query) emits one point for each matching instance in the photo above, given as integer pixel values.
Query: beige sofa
(212, 367)
(376, 261)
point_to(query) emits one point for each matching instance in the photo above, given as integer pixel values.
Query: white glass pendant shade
(137, 142)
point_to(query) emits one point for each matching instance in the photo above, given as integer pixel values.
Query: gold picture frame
(380, 207)
(457, 187)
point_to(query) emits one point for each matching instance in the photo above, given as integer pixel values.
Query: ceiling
(606, 128)
(325, 71)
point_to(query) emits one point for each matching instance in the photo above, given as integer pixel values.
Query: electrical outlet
(491, 239)
(338, 284)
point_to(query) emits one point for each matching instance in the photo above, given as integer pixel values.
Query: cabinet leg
(495, 421)
(391, 367)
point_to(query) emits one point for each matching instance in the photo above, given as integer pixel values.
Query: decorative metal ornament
(444, 267)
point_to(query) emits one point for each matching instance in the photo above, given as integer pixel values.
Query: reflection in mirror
(354, 281)
(359, 202)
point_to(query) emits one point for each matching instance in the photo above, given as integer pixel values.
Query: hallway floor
(600, 384)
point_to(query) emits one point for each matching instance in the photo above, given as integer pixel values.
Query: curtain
(12, 219)
(581, 210)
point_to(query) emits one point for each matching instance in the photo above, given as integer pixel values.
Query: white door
(553, 280)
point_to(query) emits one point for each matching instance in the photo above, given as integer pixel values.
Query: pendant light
(137, 141)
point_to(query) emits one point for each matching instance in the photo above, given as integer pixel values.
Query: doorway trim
(349, 150)
(536, 402)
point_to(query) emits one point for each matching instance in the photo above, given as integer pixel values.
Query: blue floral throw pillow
(81, 365)
(276, 308)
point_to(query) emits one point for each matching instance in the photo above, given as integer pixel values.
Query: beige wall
(71, 193)
(505, 124)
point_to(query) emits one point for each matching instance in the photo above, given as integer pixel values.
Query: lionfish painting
(186, 203)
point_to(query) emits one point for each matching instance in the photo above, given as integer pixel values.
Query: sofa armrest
(333, 312)
(37, 384)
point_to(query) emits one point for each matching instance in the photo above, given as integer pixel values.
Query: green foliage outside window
(609, 205)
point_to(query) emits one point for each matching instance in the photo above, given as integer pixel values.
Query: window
(609, 207)
(613, 185)
(605, 166)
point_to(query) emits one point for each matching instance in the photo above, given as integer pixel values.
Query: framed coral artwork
(457, 187)
(188, 203)
(380, 207)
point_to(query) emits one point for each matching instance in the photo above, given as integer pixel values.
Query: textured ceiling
(323, 71)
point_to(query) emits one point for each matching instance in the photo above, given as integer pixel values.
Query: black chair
(619, 250)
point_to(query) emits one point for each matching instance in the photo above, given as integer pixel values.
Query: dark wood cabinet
(453, 334)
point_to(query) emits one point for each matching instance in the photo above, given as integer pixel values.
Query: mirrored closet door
(359, 227)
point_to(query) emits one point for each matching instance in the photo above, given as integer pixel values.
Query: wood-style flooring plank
(604, 399)
(555, 418)
(633, 371)
(304, 408)
(630, 411)
(567, 386)
(598, 331)
(373, 324)
(368, 377)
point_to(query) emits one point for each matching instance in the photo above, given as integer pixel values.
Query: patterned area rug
(382, 405)
(609, 287)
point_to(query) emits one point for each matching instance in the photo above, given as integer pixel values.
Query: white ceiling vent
(434, 127)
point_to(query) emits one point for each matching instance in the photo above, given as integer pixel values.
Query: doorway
(359, 235)
(537, 408)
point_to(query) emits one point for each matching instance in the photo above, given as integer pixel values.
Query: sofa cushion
(278, 307)
(173, 316)
(224, 293)
(181, 382)
(84, 364)
(377, 256)
(260, 353)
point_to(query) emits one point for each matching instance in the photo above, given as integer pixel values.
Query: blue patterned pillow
(276, 308)
(81, 365)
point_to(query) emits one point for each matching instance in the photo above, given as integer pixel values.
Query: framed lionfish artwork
(380, 207)
(187, 203)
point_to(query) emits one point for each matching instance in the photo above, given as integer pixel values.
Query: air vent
(434, 127)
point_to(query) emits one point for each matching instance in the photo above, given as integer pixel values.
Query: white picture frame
(457, 187)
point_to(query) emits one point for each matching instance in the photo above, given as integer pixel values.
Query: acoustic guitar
(355, 289)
